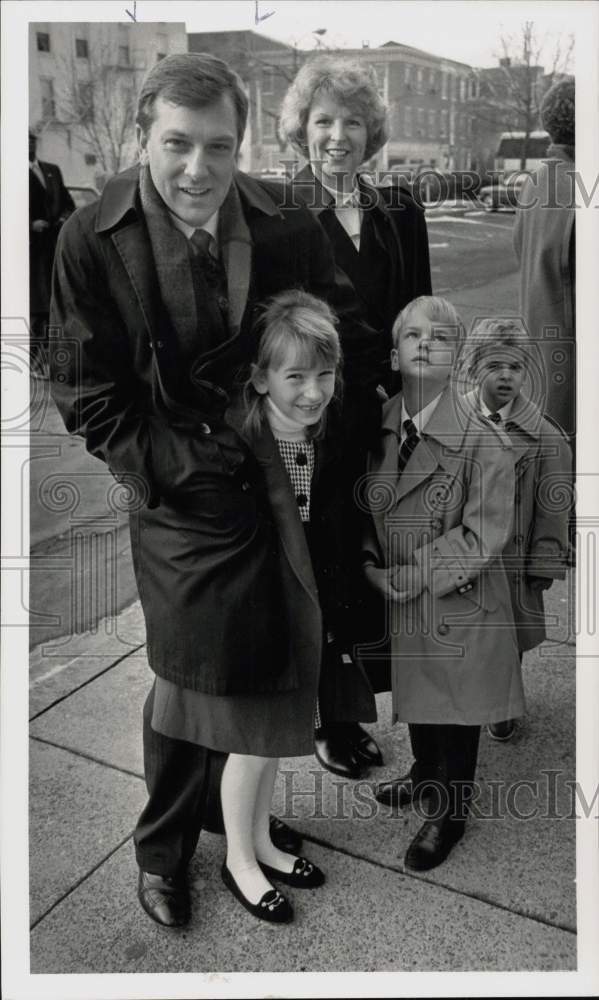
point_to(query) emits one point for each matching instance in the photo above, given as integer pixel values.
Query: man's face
(500, 375)
(191, 154)
(425, 349)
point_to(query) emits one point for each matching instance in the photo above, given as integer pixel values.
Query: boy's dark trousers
(445, 756)
(181, 779)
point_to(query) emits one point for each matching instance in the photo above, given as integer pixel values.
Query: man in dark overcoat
(49, 205)
(156, 290)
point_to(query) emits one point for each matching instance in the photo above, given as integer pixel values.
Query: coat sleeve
(458, 556)
(548, 547)
(92, 380)
(66, 203)
(419, 264)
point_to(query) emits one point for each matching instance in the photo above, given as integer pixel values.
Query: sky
(468, 31)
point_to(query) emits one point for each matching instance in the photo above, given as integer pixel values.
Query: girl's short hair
(351, 83)
(489, 333)
(191, 80)
(298, 323)
(436, 309)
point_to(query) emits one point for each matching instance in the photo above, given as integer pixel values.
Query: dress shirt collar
(210, 225)
(420, 419)
(504, 412)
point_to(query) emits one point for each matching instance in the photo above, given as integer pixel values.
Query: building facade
(428, 97)
(83, 85)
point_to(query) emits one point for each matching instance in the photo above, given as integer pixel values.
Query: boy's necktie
(408, 445)
(495, 418)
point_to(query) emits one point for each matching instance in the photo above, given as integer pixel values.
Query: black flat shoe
(364, 746)
(400, 792)
(432, 844)
(304, 875)
(165, 900)
(501, 731)
(273, 906)
(335, 754)
(284, 837)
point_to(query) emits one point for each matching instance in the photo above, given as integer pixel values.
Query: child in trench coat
(439, 492)
(501, 362)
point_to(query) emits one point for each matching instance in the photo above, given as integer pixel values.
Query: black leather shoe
(165, 900)
(273, 906)
(400, 792)
(304, 875)
(284, 837)
(432, 843)
(501, 731)
(364, 747)
(335, 754)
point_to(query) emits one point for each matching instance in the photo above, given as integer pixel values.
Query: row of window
(416, 122)
(421, 81)
(82, 48)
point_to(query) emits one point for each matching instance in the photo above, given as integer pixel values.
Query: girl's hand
(408, 582)
(383, 580)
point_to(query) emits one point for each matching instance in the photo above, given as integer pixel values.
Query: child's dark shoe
(304, 875)
(273, 906)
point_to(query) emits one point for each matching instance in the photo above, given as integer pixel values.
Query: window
(408, 77)
(81, 48)
(443, 129)
(380, 73)
(43, 41)
(432, 124)
(85, 101)
(444, 85)
(462, 88)
(268, 80)
(124, 57)
(432, 81)
(407, 121)
(48, 105)
(162, 46)
(90, 159)
(420, 121)
(419, 80)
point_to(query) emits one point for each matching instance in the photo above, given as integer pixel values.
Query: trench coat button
(159, 344)
(223, 303)
(443, 630)
(204, 429)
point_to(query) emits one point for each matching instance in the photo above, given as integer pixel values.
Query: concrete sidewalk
(504, 900)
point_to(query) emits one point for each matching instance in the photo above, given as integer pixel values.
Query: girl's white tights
(246, 793)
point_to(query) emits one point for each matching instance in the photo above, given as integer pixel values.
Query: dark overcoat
(206, 548)
(53, 204)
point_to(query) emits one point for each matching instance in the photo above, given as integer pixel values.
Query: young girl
(283, 416)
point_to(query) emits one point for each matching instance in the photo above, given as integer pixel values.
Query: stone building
(83, 84)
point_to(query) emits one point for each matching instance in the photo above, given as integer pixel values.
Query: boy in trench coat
(440, 495)
(155, 295)
(501, 361)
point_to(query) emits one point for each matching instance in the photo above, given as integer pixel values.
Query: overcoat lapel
(133, 247)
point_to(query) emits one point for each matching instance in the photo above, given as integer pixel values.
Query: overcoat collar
(318, 198)
(440, 446)
(525, 414)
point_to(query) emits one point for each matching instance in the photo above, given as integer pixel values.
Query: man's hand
(38, 225)
(385, 580)
(408, 582)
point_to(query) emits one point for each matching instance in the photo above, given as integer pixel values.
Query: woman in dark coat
(333, 115)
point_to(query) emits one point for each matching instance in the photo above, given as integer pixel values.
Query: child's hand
(383, 580)
(408, 581)
(540, 582)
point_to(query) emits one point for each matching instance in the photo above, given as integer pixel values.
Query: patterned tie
(495, 418)
(408, 445)
(202, 245)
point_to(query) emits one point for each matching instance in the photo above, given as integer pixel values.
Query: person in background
(156, 287)
(499, 360)
(50, 204)
(545, 244)
(440, 492)
(335, 118)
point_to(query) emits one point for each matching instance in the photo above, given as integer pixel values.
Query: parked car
(83, 194)
(503, 193)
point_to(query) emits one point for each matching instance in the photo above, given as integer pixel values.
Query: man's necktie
(495, 418)
(202, 243)
(408, 445)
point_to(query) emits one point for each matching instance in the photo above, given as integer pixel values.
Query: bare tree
(98, 106)
(510, 95)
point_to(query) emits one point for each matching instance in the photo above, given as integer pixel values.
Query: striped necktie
(408, 445)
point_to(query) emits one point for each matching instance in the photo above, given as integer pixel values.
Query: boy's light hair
(439, 311)
(506, 332)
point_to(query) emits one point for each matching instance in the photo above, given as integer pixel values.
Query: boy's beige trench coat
(454, 653)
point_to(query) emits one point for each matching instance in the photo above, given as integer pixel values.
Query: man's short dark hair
(191, 80)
